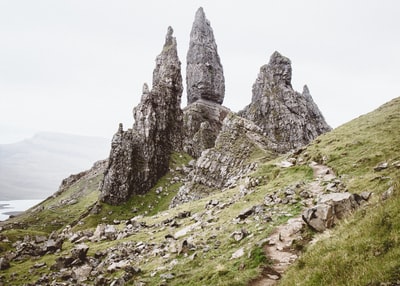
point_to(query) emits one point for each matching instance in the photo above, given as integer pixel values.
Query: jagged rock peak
(204, 72)
(167, 72)
(288, 118)
(280, 69)
(140, 156)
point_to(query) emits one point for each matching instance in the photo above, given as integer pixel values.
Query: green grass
(148, 204)
(365, 248)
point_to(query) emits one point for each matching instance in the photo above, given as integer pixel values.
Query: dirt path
(279, 246)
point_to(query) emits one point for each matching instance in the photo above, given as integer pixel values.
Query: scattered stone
(246, 213)
(167, 276)
(81, 273)
(185, 230)
(273, 277)
(387, 194)
(319, 217)
(212, 203)
(4, 263)
(40, 238)
(51, 246)
(110, 232)
(365, 195)
(39, 265)
(80, 252)
(99, 232)
(174, 223)
(381, 166)
(62, 262)
(118, 265)
(183, 214)
(238, 253)
(284, 164)
(239, 235)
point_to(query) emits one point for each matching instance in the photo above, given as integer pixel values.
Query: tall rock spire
(288, 118)
(140, 156)
(204, 73)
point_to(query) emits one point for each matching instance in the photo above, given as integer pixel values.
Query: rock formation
(223, 165)
(204, 74)
(202, 123)
(278, 119)
(288, 118)
(331, 208)
(140, 156)
(205, 89)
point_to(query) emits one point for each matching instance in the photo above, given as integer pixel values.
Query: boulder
(80, 252)
(51, 246)
(381, 166)
(110, 232)
(331, 208)
(238, 253)
(81, 273)
(4, 263)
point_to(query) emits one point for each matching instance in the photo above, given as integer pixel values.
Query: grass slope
(362, 249)
(365, 248)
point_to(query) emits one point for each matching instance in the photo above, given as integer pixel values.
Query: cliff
(288, 118)
(140, 156)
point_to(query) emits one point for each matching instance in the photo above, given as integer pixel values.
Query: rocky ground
(280, 244)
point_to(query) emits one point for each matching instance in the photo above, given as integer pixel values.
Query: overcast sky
(79, 66)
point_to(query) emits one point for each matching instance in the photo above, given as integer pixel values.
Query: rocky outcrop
(288, 118)
(140, 156)
(331, 208)
(205, 89)
(229, 160)
(97, 168)
(202, 122)
(204, 74)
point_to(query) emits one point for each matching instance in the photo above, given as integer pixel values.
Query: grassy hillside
(363, 250)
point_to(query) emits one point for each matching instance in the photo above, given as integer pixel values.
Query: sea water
(14, 207)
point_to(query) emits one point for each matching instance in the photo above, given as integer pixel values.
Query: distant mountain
(34, 168)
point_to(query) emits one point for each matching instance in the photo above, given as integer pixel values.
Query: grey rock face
(140, 156)
(331, 208)
(228, 161)
(204, 74)
(288, 118)
(202, 122)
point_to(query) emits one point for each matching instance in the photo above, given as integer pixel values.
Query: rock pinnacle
(288, 118)
(204, 73)
(140, 156)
